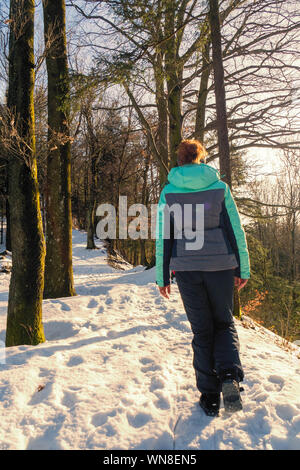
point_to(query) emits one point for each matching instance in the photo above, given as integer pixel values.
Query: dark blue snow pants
(208, 301)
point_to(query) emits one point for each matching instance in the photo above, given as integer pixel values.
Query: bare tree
(160, 53)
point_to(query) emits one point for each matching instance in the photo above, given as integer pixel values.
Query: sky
(266, 157)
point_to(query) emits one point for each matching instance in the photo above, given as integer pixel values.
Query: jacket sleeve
(236, 235)
(164, 242)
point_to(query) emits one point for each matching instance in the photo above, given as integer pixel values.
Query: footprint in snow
(69, 399)
(46, 372)
(121, 347)
(125, 298)
(63, 305)
(149, 365)
(74, 388)
(101, 418)
(162, 402)
(92, 303)
(126, 401)
(109, 430)
(75, 361)
(146, 360)
(156, 383)
(138, 420)
(151, 368)
(112, 334)
(277, 380)
(286, 412)
(90, 325)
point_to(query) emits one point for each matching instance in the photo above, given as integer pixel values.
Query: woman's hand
(240, 283)
(165, 291)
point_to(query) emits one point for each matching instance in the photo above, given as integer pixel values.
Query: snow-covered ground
(116, 373)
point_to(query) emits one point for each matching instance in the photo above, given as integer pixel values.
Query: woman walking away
(201, 238)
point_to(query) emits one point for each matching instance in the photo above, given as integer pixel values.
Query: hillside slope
(116, 373)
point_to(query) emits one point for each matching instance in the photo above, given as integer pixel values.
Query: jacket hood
(193, 176)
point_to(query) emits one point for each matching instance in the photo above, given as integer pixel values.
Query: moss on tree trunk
(24, 316)
(58, 270)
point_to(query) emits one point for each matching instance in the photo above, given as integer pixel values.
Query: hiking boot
(231, 392)
(210, 403)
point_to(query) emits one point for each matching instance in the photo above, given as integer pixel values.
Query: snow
(116, 373)
(5, 260)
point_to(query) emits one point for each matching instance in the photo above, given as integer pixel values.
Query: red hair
(189, 151)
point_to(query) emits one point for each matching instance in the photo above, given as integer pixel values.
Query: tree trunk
(163, 120)
(59, 271)
(175, 113)
(143, 257)
(24, 316)
(174, 71)
(222, 129)
(93, 152)
(92, 207)
(223, 140)
(202, 95)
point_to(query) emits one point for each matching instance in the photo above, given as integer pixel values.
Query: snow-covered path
(116, 373)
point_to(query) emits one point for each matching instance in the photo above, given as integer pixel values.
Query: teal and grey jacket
(196, 193)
